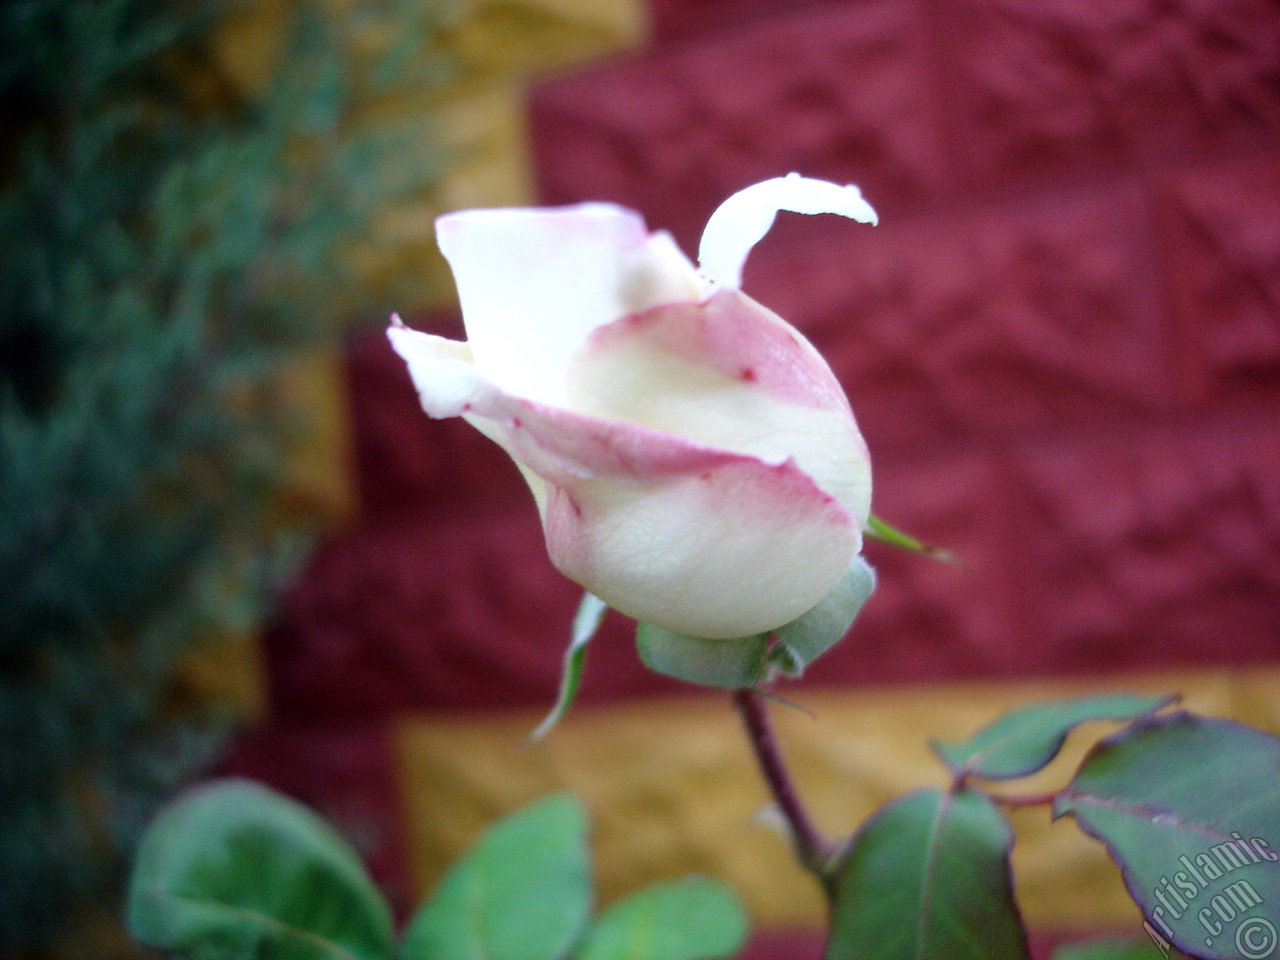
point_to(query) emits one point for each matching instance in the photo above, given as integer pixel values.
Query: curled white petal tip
(441, 370)
(741, 221)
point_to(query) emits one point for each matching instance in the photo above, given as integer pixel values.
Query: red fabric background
(1063, 345)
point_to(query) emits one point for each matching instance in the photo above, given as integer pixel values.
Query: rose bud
(694, 460)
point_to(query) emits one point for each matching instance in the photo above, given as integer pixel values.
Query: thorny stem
(813, 849)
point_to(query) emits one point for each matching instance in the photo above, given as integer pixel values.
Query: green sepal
(809, 636)
(1026, 739)
(692, 919)
(749, 661)
(233, 869)
(522, 892)
(591, 613)
(927, 878)
(877, 529)
(728, 664)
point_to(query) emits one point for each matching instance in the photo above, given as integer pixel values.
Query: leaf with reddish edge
(1026, 739)
(928, 877)
(1189, 808)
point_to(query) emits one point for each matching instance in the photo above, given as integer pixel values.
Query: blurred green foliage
(169, 242)
(232, 869)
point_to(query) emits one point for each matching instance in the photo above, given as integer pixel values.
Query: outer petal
(703, 541)
(534, 282)
(728, 552)
(732, 375)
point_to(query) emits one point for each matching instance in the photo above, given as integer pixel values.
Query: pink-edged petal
(730, 333)
(704, 541)
(559, 445)
(732, 551)
(741, 221)
(732, 375)
(534, 282)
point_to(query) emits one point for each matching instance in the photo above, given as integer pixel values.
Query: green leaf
(1110, 950)
(233, 869)
(747, 661)
(586, 622)
(523, 892)
(877, 529)
(1026, 739)
(1189, 808)
(694, 919)
(928, 877)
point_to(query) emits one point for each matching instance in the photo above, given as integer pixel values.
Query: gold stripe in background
(672, 789)
(472, 120)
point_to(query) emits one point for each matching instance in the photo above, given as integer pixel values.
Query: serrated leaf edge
(1136, 891)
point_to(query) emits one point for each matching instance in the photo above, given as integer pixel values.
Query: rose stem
(1024, 800)
(812, 848)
